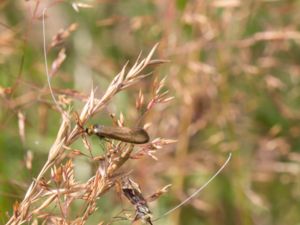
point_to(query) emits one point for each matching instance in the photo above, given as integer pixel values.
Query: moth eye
(90, 130)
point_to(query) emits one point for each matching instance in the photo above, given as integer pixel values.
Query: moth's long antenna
(78, 123)
(197, 191)
(46, 65)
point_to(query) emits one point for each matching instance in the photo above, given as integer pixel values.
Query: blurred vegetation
(236, 80)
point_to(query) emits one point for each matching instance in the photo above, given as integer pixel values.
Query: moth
(125, 134)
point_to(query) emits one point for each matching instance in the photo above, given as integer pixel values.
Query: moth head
(93, 129)
(90, 130)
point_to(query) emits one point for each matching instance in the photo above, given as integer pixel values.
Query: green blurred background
(234, 71)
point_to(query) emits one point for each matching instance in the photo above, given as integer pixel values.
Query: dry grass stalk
(61, 189)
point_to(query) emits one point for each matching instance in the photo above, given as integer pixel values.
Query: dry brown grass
(60, 189)
(235, 76)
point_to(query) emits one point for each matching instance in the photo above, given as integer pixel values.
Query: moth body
(135, 135)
